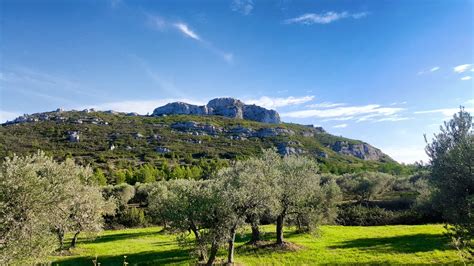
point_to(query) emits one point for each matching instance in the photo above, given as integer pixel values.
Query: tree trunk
(202, 254)
(60, 235)
(213, 253)
(255, 233)
(279, 229)
(230, 254)
(74, 239)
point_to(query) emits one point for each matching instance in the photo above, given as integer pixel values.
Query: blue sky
(385, 72)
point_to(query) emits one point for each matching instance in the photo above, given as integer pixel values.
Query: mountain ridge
(104, 138)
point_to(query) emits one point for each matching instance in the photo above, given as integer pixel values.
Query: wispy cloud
(244, 7)
(371, 112)
(49, 86)
(187, 31)
(466, 78)
(433, 69)
(324, 105)
(446, 112)
(272, 102)
(161, 24)
(462, 68)
(340, 126)
(324, 18)
(8, 116)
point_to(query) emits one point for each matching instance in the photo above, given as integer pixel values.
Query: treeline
(147, 173)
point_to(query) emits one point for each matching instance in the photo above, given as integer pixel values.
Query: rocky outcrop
(228, 107)
(194, 127)
(257, 113)
(180, 108)
(360, 150)
(287, 148)
(73, 136)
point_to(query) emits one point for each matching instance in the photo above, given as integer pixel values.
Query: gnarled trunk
(199, 241)
(74, 239)
(255, 233)
(279, 229)
(60, 235)
(231, 242)
(213, 253)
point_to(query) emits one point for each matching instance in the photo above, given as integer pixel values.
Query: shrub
(133, 217)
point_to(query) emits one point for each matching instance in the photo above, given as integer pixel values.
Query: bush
(133, 217)
(361, 215)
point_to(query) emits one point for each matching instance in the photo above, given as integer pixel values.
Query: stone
(73, 136)
(285, 149)
(257, 113)
(194, 127)
(360, 150)
(180, 108)
(162, 150)
(227, 107)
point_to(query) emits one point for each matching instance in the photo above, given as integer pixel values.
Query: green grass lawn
(335, 245)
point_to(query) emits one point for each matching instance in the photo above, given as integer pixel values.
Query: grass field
(418, 244)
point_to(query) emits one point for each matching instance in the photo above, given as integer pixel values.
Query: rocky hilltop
(227, 107)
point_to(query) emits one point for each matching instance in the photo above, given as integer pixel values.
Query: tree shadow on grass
(401, 244)
(116, 237)
(175, 256)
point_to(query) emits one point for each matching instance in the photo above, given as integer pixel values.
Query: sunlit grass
(335, 244)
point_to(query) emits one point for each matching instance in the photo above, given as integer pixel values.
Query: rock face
(180, 108)
(361, 150)
(228, 107)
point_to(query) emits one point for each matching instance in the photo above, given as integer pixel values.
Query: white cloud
(409, 154)
(340, 126)
(139, 106)
(272, 103)
(187, 31)
(325, 105)
(8, 116)
(371, 112)
(466, 78)
(461, 68)
(161, 24)
(324, 18)
(433, 69)
(446, 112)
(244, 7)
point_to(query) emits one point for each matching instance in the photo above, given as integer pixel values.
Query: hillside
(112, 140)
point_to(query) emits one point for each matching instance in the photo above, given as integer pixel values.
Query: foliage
(451, 155)
(300, 196)
(365, 186)
(40, 196)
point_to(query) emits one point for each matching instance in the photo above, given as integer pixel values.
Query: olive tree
(190, 206)
(37, 201)
(301, 194)
(246, 189)
(451, 155)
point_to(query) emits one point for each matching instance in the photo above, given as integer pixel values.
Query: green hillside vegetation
(135, 140)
